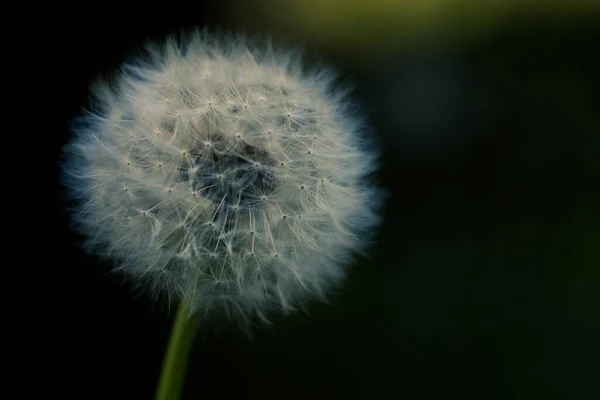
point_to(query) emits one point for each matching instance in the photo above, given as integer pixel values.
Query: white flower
(220, 172)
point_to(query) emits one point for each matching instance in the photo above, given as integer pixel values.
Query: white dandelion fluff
(219, 171)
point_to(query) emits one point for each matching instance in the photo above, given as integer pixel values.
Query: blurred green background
(483, 282)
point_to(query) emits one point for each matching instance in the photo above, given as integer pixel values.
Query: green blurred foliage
(380, 26)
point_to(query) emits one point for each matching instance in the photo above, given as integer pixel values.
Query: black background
(483, 282)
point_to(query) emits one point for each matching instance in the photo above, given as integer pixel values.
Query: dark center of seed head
(232, 178)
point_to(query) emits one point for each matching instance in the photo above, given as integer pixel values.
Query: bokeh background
(484, 282)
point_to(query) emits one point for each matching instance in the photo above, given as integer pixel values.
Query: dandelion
(218, 171)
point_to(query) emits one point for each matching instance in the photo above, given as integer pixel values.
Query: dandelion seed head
(220, 171)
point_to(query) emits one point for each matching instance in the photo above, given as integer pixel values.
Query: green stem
(175, 362)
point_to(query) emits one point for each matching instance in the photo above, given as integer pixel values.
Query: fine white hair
(217, 170)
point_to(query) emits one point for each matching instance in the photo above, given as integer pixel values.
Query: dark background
(484, 280)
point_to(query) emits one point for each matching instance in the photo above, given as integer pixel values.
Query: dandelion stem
(176, 357)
